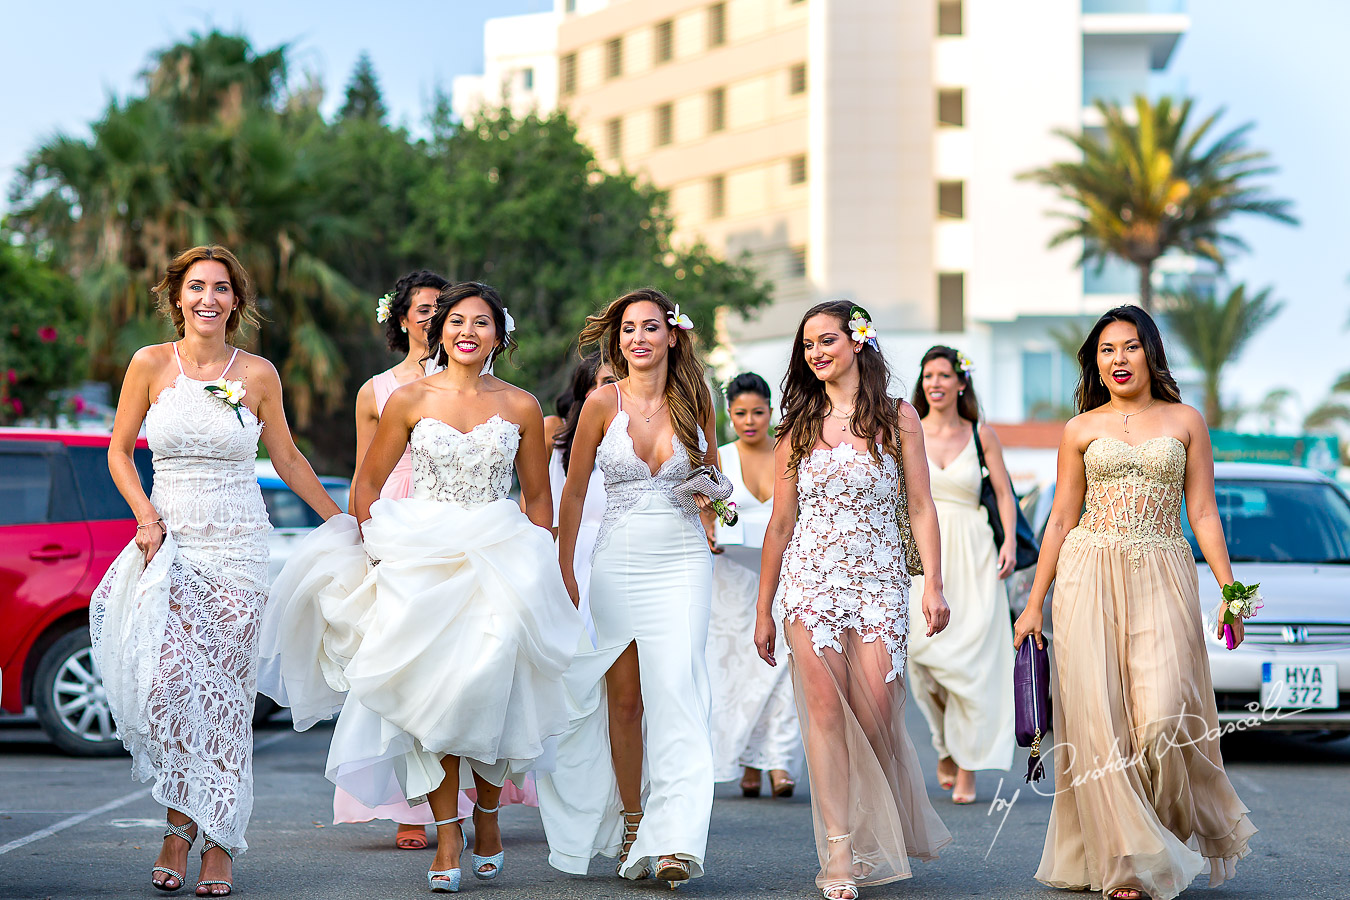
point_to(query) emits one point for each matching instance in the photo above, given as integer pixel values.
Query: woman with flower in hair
(175, 621)
(850, 473)
(651, 581)
(962, 678)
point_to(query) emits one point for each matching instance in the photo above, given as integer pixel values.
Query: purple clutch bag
(1031, 696)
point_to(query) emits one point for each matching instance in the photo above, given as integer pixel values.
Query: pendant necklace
(1125, 423)
(654, 412)
(843, 426)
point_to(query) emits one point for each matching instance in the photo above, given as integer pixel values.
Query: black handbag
(1027, 551)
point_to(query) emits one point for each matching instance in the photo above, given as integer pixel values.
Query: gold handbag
(912, 561)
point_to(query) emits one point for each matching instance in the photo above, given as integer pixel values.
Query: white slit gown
(651, 582)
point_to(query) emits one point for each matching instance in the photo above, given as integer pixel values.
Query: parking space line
(109, 806)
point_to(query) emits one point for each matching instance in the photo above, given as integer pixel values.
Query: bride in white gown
(651, 578)
(463, 628)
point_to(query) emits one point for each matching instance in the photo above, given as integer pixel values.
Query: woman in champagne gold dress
(1142, 803)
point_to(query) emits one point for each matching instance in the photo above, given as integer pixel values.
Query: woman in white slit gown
(843, 597)
(463, 628)
(754, 717)
(651, 579)
(175, 619)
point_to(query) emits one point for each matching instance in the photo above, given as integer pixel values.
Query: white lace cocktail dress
(176, 641)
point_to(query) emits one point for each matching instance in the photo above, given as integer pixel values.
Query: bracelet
(159, 522)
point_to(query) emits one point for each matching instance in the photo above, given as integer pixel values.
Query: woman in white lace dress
(754, 717)
(833, 567)
(175, 619)
(651, 578)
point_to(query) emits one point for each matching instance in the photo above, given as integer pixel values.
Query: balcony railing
(1134, 6)
(1121, 87)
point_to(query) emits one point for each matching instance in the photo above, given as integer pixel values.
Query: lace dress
(754, 716)
(1141, 797)
(843, 593)
(651, 581)
(962, 676)
(176, 641)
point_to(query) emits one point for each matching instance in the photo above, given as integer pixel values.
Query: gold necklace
(1125, 423)
(843, 425)
(198, 366)
(654, 412)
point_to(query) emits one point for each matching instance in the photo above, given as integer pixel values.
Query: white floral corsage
(510, 322)
(679, 320)
(384, 308)
(864, 332)
(231, 393)
(1240, 601)
(726, 512)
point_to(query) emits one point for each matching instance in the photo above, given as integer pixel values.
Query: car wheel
(71, 705)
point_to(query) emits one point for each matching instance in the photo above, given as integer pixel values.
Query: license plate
(1293, 685)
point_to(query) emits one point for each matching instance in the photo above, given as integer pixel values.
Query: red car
(62, 522)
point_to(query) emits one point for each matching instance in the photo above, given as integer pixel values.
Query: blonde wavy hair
(687, 394)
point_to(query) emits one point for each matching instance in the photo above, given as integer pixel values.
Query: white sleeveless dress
(754, 716)
(176, 641)
(651, 581)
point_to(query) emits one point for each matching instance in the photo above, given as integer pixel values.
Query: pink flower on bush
(12, 376)
(47, 334)
(78, 403)
(17, 404)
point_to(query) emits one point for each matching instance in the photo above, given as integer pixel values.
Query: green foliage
(1215, 331)
(42, 345)
(1147, 186)
(364, 99)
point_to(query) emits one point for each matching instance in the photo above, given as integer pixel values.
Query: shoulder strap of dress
(230, 363)
(619, 394)
(176, 358)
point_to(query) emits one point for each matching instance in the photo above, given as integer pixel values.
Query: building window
(614, 138)
(796, 262)
(717, 25)
(952, 107)
(797, 169)
(527, 78)
(614, 58)
(949, 17)
(663, 42)
(717, 110)
(951, 199)
(665, 124)
(717, 196)
(951, 301)
(1048, 382)
(567, 74)
(797, 79)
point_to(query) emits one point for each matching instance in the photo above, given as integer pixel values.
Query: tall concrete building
(866, 149)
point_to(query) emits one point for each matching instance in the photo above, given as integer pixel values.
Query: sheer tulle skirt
(1141, 797)
(865, 777)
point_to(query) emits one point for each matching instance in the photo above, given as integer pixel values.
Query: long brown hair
(805, 404)
(170, 288)
(967, 404)
(687, 394)
(1091, 392)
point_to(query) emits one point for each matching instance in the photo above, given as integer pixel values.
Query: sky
(1274, 63)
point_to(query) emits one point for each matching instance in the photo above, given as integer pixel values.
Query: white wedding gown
(454, 643)
(754, 715)
(651, 580)
(176, 641)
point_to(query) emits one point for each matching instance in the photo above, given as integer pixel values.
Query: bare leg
(445, 805)
(822, 677)
(173, 854)
(623, 693)
(487, 833)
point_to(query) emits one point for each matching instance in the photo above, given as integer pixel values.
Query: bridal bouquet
(1240, 602)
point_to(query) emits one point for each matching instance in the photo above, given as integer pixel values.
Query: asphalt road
(83, 828)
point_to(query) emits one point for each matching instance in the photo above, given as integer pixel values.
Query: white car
(291, 517)
(1287, 529)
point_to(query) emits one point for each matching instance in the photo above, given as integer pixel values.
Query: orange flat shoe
(411, 837)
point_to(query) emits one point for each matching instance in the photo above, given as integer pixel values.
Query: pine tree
(364, 100)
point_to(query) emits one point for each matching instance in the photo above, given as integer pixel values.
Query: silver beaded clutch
(711, 483)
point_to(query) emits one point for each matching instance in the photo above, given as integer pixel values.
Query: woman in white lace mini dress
(833, 569)
(754, 717)
(651, 578)
(175, 619)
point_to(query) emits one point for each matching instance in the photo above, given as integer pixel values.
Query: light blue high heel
(497, 860)
(446, 881)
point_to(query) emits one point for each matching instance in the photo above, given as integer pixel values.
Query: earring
(1101, 379)
(403, 328)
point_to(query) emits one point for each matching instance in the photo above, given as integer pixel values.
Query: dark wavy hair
(570, 402)
(1092, 392)
(687, 394)
(967, 404)
(805, 404)
(748, 383)
(394, 335)
(450, 297)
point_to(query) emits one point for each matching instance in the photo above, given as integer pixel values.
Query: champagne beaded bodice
(1134, 494)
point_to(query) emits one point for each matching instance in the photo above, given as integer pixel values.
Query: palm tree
(1215, 332)
(1271, 407)
(1143, 188)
